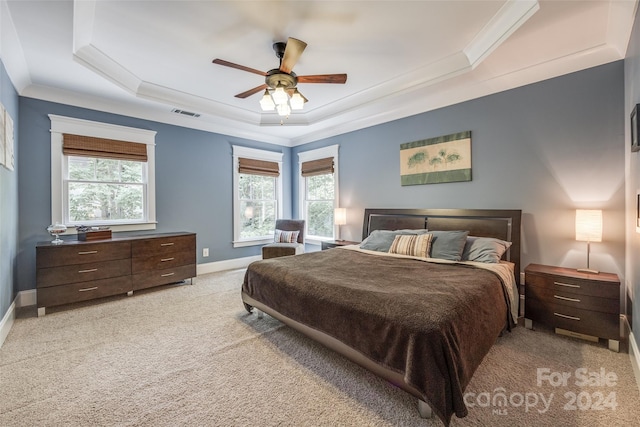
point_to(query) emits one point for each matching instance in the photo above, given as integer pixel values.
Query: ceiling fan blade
(238, 67)
(323, 78)
(292, 53)
(252, 91)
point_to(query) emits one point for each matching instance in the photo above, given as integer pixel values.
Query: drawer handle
(88, 289)
(568, 285)
(166, 259)
(567, 299)
(166, 244)
(566, 317)
(91, 270)
(87, 252)
(167, 274)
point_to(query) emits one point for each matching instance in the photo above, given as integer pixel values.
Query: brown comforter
(433, 323)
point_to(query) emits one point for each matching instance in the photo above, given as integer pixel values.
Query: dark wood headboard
(497, 223)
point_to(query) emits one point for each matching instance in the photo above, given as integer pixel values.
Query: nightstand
(328, 244)
(583, 305)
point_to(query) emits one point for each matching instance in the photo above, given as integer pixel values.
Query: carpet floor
(189, 355)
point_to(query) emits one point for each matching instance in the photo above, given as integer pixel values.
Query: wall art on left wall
(635, 129)
(2, 139)
(9, 154)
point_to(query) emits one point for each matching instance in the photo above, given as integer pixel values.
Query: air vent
(186, 113)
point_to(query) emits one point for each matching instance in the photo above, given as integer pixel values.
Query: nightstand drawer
(603, 325)
(573, 285)
(585, 302)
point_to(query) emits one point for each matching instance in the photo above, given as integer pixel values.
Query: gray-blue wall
(546, 148)
(632, 92)
(8, 202)
(193, 182)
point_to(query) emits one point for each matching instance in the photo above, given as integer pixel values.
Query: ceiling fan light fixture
(279, 95)
(283, 109)
(296, 101)
(266, 103)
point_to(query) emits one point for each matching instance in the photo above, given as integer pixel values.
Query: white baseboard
(7, 322)
(229, 264)
(634, 355)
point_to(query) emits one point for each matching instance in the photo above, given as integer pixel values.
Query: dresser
(83, 270)
(573, 302)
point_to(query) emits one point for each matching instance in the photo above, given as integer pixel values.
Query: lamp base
(588, 270)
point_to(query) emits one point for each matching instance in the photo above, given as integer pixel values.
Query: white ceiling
(145, 58)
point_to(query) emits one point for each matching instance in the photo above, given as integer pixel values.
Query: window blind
(258, 167)
(317, 167)
(88, 146)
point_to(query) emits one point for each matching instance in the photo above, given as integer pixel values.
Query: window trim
(61, 125)
(257, 154)
(306, 156)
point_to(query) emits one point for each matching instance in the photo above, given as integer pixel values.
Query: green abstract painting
(436, 160)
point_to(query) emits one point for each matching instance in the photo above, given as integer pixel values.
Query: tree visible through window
(258, 205)
(320, 196)
(105, 190)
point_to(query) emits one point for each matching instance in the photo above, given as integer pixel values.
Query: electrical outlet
(205, 252)
(522, 278)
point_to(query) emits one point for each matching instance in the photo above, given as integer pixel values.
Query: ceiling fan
(280, 86)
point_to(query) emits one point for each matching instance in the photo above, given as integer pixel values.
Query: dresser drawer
(55, 276)
(163, 262)
(75, 292)
(54, 256)
(573, 285)
(586, 302)
(163, 245)
(603, 325)
(163, 277)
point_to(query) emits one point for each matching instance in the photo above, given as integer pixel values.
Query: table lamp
(588, 229)
(339, 218)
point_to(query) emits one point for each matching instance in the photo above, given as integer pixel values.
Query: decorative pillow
(286, 236)
(411, 244)
(381, 240)
(448, 244)
(484, 249)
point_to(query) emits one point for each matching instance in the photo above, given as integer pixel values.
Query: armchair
(278, 249)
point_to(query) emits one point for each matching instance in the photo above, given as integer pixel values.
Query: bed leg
(424, 409)
(260, 313)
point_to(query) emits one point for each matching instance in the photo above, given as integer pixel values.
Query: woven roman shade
(317, 167)
(88, 146)
(258, 167)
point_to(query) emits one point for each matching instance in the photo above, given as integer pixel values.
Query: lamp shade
(589, 225)
(340, 216)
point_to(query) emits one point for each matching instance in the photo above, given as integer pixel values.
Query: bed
(424, 322)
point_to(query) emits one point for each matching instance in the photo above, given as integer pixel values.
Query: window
(319, 192)
(102, 174)
(257, 195)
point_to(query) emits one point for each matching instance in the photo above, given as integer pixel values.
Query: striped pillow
(412, 244)
(286, 236)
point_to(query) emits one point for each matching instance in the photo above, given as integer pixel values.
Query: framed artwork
(436, 160)
(9, 160)
(2, 138)
(638, 211)
(635, 129)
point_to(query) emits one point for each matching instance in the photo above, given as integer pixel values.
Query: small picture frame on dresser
(635, 129)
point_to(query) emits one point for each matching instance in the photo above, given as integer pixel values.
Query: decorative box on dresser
(573, 302)
(83, 270)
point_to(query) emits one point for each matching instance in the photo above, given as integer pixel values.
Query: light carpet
(189, 355)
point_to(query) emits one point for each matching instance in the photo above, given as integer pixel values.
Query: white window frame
(61, 125)
(256, 154)
(307, 156)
